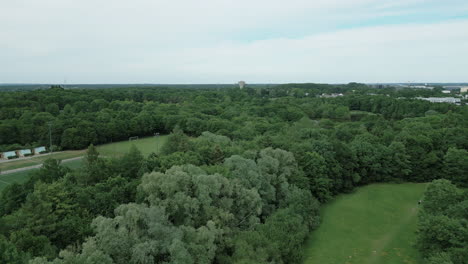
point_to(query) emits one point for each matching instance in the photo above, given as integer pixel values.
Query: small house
(24, 152)
(39, 150)
(9, 155)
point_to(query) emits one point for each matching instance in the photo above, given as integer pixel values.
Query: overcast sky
(220, 41)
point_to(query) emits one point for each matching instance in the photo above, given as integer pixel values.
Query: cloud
(181, 41)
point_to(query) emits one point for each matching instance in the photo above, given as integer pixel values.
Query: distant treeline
(93, 116)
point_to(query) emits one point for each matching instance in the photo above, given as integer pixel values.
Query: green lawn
(375, 224)
(145, 145)
(21, 163)
(18, 177)
(22, 176)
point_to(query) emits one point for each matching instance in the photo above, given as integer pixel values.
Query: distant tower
(241, 84)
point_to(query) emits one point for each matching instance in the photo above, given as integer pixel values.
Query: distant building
(333, 95)
(241, 84)
(446, 91)
(450, 100)
(8, 154)
(464, 89)
(421, 87)
(24, 152)
(452, 87)
(38, 150)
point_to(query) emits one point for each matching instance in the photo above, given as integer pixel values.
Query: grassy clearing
(22, 176)
(117, 149)
(145, 145)
(376, 224)
(18, 177)
(21, 163)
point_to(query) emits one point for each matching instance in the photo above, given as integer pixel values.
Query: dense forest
(240, 179)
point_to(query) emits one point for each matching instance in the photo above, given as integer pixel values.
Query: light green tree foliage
(247, 173)
(192, 198)
(281, 168)
(212, 147)
(177, 141)
(191, 216)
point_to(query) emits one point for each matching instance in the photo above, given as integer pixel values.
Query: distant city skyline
(220, 41)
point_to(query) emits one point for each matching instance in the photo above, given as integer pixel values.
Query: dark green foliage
(9, 253)
(261, 159)
(443, 224)
(176, 142)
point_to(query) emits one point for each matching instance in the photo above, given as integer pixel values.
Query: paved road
(35, 166)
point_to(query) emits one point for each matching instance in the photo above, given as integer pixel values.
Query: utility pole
(50, 136)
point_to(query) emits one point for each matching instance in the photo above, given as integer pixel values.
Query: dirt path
(35, 166)
(381, 244)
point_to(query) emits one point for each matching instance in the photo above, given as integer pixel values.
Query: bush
(13, 157)
(28, 154)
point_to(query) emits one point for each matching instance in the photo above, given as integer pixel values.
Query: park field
(117, 149)
(374, 225)
(22, 176)
(145, 145)
(39, 159)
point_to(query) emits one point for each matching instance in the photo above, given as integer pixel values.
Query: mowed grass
(145, 145)
(18, 177)
(39, 159)
(22, 176)
(117, 149)
(374, 225)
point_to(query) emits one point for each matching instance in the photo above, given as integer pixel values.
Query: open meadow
(145, 145)
(374, 225)
(117, 149)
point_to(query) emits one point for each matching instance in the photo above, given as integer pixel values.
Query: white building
(464, 89)
(24, 152)
(450, 100)
(38, 150)
(241, 84)
(8, 154)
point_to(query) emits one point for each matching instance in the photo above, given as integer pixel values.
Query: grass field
(145, 145)
(21, 163)
(18, 177)
(22, 176)
(117, 149)
(374, 225)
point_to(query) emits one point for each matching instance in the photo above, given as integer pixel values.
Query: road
(35, 166)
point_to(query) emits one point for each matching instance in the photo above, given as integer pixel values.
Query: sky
(221, 41)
